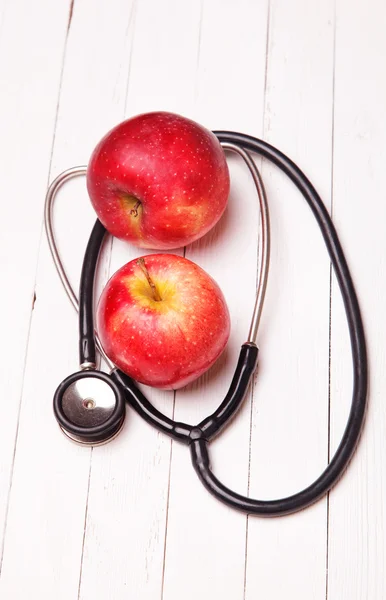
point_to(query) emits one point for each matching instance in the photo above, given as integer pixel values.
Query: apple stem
(134, 210)
(141, 263)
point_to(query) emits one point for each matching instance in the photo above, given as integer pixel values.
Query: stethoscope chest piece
(89, 407)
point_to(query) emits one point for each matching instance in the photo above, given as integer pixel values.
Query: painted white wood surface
(290, 402)
(357, 555)
(130, 519)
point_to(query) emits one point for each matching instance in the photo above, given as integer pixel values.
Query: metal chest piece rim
(89, 407)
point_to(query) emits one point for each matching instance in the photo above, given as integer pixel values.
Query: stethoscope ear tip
(89, 407)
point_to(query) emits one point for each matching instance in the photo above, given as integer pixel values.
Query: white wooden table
(130, 519)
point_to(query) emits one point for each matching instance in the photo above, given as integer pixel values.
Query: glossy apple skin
(169, 343)
(174, 167)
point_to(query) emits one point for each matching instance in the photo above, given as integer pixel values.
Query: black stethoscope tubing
(197, 437)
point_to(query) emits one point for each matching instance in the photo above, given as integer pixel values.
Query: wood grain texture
(200, 549)
(130, 478)
(290, 400)
(30, 75)
(45, 527)
(357, 517)
(130, 519)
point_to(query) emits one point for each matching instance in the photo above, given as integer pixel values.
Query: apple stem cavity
(134, 210)
(155, 292)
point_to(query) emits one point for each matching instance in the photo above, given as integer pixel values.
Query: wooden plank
(206, 540)
(129, 478)
(43, 545)
(30, 76)
(287, 557)
(357, 517)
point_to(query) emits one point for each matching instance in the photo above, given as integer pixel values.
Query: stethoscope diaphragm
(89, 407)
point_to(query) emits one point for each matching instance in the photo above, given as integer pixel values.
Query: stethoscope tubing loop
(198, 436)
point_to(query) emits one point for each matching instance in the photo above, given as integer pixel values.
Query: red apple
(163, 320)
(158, 180)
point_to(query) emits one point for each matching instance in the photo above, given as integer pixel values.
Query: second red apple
(163, 320)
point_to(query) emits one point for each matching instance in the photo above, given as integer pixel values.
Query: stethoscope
(90, 405)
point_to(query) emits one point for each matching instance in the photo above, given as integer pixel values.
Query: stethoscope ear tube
(246, 365)
(87, 357)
